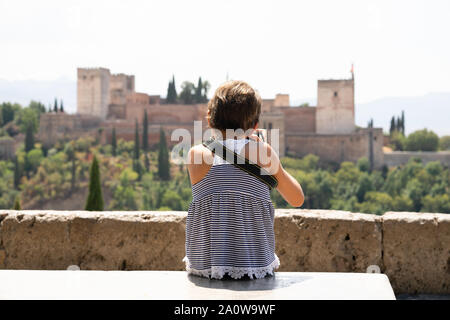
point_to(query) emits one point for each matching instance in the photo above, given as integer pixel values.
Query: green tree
(198, 91)
(136, 153)
(34, 158)
(114, 142)
(145, 133)
(422, 140)
(402, 203)
(363, 164)
(403, 122)
(55, 106)
(172, 92)
(163, 157)
(444, 143)
(61, 106)
(8, 111)
(415, 191)
(392, 127)
(364, 185)
(17, 205)
(398, 141)
(27, 117)
(187, 94)
(398, 125)
(94, 200)
(147, 162)
(439, 203)
(17, 174)
(172, 200)
(37, 107)
(29, 138)
(375, 202)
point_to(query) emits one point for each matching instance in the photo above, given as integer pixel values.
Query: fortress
(108, 101)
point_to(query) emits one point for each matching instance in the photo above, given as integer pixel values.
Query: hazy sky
(399, 48)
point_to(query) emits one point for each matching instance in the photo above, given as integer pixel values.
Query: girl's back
(229, 228)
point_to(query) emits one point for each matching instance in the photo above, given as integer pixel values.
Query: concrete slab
(177, 285)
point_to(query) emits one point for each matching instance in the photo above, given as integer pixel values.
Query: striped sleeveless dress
(229, 227)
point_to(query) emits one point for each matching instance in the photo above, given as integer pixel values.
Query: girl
(229, 228)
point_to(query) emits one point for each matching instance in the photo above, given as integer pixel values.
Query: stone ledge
(177, 285)
(412, 249)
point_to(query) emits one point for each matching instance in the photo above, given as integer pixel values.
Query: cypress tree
(114, 142)
(403, 122)
(147, 162)
(171, 91)
(55, 106)
(16, 174)
(174, 90)
(17, 205)
(94, 200)
(29, 138)
(392, 128)
(398, 126)
(198, 91)
(163, 157)
(61, 106)
(136, 142)
(145, 133)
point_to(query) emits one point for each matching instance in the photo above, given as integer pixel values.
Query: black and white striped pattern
(229, 228)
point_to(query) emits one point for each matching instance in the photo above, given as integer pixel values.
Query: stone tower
(335, 113)
(93, 91)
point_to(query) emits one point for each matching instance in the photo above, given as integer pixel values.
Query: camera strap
(241, 162)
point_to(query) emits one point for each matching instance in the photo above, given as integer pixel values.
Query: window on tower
(335, 93)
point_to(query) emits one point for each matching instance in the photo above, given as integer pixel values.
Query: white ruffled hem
(217, 272)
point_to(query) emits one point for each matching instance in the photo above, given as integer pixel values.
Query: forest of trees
(127, 175)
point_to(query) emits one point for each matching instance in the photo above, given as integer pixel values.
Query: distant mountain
(431, 111)
(24, 91)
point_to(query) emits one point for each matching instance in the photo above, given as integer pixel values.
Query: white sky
(399, 48)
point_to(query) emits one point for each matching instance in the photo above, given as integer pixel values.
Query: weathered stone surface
(412, 249)
(93, 240)
(323, 240)
(417, 252)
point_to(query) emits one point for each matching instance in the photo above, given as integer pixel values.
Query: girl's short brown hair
(235, 105)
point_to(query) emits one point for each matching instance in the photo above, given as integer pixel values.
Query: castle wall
(93, 91)
(338, 148)
(410, 248)
(274, 120)
(7, 148)
(299, 119)
(281, 100)
(397, 158)
(267, 105)
(166, 113)
(335, 107)
(122, 82)
(62, 126)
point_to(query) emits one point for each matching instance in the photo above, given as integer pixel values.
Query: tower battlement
(335, 106)
(97, 88)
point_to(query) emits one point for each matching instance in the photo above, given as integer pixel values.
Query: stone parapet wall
(412, 249)
(397, 158)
